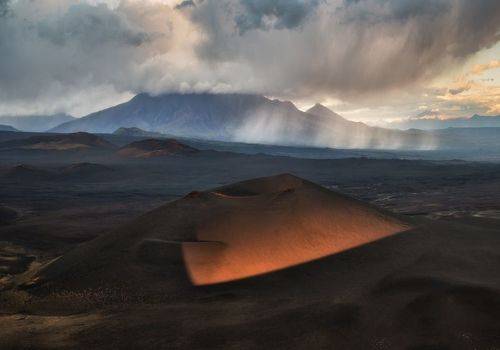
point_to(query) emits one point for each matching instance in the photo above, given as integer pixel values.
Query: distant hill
(137, 132)
(244, 118)
(262, 225)
(7, 128)
(35, 123)
(23, 172)
(433, 123)
(7, 215)
(75, 172)
(155, 148)
(61, 142)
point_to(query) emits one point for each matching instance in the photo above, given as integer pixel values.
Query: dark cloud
(4, 8)
(91, 26)
(346, 48)
(393, 10)
(428, 114)
(459, 90)
(50, 56)
(462, 26)
(277, 14)
(185, 4)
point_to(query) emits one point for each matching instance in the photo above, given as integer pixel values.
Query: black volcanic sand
(435, 286)
(267, 224)
(7, 215)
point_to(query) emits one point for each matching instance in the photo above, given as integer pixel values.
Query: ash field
(116, 241)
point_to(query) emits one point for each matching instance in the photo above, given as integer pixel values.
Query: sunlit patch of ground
(492, 214)
(42, 332)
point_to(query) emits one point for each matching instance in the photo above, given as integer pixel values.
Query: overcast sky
(369, 60)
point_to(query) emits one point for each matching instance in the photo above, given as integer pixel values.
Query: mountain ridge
(150, 148)
(242, 118)
(58, 142)
(35, 123)
(4, 127)
(137, 132)
(436, 123)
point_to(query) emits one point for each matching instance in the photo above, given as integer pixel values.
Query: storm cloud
(90, 27)
(185, 4)
(275, 14)
(353, 47)
(55, 54)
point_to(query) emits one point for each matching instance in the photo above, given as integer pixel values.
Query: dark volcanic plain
(435, 285)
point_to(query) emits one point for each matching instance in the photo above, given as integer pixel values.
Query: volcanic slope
(232, 232)
(155, 148)
(58, 142)
(433, 286)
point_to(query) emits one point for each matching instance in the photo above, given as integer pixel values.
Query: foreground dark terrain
(120, 211)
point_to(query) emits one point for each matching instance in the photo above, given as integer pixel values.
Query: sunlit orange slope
(229, 233)
(267, 224)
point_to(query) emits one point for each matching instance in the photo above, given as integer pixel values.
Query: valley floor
(435, 287)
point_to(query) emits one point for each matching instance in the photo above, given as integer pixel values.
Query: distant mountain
(35, 123)
(244, 118)
(7, 128)
(351, 134)
(434, 122)
(137, 132)
(319, 110)
(155, 148)
(342, 125)
(61, 142)
(211, 116)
